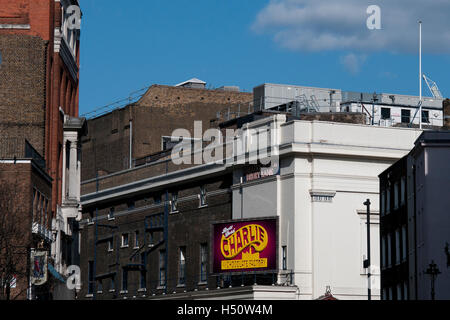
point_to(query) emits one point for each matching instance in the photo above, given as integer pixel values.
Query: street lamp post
(367, 261)
(433, 271)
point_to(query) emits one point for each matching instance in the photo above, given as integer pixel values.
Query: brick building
(147, 124)
(39, 81)
(414, 223)
(23, 226)
(146, 229)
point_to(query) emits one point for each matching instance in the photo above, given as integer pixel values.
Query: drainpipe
(131, 144)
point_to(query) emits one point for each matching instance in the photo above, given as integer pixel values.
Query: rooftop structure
(383, 109)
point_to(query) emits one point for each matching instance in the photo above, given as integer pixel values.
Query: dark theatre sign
(258, 171)
(240, 246)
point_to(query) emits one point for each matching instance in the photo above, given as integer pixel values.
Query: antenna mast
(434, 89)
(420, 73)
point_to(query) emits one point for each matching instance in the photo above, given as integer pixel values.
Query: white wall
(326, 241)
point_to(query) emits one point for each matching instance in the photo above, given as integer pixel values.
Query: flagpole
(420, 73)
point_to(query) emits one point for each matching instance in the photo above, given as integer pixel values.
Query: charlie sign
(240, 246)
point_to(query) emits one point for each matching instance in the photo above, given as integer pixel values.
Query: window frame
(136, 239)
(404, 117)
(162, 269)
(383, 116)
(124, 281)
(111, 214)
(203, 262)
(182, 266)
(125, 236)
(425, 116)
(174, 202)
(202, 197)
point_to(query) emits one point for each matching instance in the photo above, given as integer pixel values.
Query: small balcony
(42, 232)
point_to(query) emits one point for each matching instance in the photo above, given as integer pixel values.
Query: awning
(55, 273)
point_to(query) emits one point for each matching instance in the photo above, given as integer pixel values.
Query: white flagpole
(420, 72)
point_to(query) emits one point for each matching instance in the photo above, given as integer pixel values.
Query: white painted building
(327, 171)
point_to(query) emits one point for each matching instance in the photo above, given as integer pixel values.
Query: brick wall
(17, 182)
(159, 112)
(356, 118)
(35, 13)
(189, 228)
(22, 89)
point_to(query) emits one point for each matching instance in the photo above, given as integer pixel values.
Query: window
(42, 210)
(111, 214)
(202, 196)
(100, 286)
(34, 204)
(404, 244)
(403, 191)
(174, 202)
(388, 201)
(150, 239)
(91, 282)
(203, 261)
(47, 209)
(182, 266)
(157, 199)
(131, 205)
(389, 250)
(143, 278)
(136, 239)
(399, 292)
(111, 245)
(397, 247)
(124, 280)
(406, 116)
(396, 194)
(425, 116)
(124, 240)
(385, 113)
(162, 268)
(405, 290)
(91, 217)
(284, 248)
(112, 284)
(383, 203)
(383, 252)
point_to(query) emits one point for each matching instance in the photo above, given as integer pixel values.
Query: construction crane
(433, 87)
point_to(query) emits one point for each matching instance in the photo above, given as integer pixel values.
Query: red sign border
(277, 244)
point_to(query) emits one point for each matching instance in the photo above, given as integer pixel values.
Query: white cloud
(322, 25)
(353, 62)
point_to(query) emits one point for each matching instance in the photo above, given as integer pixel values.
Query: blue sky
(128, 45)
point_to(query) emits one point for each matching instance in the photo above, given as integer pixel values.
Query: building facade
(414, 222)
(39, 88)
(324, 173)
(120, 139)
(23, 227)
